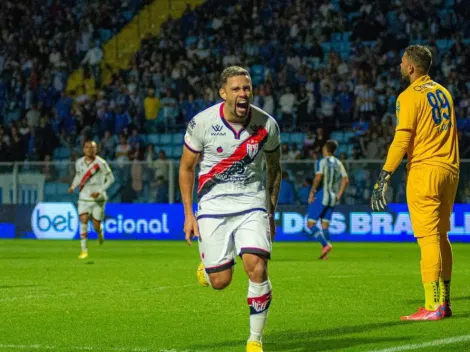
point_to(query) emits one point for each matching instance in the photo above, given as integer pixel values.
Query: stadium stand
(322, 68)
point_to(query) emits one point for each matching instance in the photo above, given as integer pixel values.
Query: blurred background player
(426, 130)
(233, 138)
(331, 180)
(93, 176)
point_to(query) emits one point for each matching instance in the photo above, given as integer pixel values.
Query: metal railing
(156, 181)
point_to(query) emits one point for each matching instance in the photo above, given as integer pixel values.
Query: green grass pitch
(143, 296)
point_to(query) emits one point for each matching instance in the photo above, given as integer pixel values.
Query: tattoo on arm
(273, 178)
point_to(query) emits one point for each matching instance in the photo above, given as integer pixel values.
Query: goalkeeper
(426, 131)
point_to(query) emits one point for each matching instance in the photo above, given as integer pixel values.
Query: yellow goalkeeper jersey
(426, 108)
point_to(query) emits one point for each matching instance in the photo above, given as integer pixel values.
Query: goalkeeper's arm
(395, 155)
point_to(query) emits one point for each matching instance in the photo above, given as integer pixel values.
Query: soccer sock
(446, 273)
(326, 233)
(83, 235)
(430, 270)
(83, 243)
(259, 299)
(444, 286)
(432, 295)
(319, 236)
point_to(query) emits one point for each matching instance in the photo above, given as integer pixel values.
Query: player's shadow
(316, 340)
(15, 286)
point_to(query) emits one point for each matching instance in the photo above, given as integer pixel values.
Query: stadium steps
(119, 49)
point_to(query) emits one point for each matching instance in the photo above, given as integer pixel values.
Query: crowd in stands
(318, 66)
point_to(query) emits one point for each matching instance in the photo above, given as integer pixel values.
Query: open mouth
(242, 105)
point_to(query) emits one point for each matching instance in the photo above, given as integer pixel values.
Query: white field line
(86, 348)
(418, 346)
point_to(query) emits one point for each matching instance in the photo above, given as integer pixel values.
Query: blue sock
(319, 236)
(326, 233)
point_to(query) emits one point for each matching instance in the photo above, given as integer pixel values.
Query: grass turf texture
(143, 296)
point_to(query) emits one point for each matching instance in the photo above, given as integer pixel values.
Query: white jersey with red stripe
(92, 177)
(231, 178)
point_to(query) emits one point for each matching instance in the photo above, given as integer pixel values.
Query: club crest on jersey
(254, 127)
(252, 149)
(217, 130)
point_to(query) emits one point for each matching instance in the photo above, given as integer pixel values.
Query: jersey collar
(236, 133)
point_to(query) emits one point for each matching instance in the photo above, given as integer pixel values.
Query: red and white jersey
(231, 178)
(92, 177)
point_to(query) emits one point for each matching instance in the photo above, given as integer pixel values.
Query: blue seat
(297, 138)
(346, 36)
(153, 139)
(168, 150)
(285, 137)
(326, 46)
(50, 189)
(62, 189)
(178, 138)
(337, 136)
(336, 37)
(177, 151)
(442, 44)
(166, 138)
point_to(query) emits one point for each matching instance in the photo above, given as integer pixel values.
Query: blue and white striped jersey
(333, 171)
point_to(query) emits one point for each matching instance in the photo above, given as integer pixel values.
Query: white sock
(83, 244)
(259, 299)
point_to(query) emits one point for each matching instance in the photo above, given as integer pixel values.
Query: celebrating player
(93, 177)
(426, 131)
(331, 175)
(232, 217)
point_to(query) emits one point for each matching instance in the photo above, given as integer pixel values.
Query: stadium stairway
(118, 49)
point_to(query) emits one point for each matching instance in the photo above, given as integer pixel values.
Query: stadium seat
(347, 136)
(442, 44)
(297, 138)
(153, 139)
(62, 188)
(336, 37)
(337, 136)
(177, 151)
(168, 150)
(166, 138)
(50, 189)
(285, 137)
(178, 138)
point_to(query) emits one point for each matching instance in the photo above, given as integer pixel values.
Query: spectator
(108, 146)
(287, 192)
(152, 108)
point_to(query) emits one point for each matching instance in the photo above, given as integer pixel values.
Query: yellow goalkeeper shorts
(430, 194)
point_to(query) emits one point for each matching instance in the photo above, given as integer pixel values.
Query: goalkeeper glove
(378, 201)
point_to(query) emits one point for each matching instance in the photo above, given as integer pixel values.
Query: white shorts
(222, 238)
(95, 209)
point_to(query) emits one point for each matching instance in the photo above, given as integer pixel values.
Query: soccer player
(93, 177)
(234, 216)
(426, 131)
(328, 186)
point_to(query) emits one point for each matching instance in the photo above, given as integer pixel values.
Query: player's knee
(311, 223)
(219, 281)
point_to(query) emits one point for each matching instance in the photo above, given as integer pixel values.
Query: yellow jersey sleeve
(407, 112)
